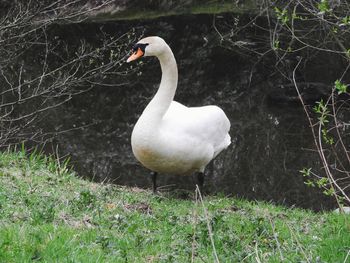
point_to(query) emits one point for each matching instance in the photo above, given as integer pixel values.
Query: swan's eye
(138, 46)
(135, 48)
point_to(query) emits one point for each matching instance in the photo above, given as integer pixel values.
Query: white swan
(170, 137)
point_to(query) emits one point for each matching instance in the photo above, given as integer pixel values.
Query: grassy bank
(47, 214)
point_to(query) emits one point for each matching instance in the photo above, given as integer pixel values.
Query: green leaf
(282, 15)
(322, 182)
(329, 192)
(348, 53)
(309, 183)
(323, 6)
(306, 172)
(340, 87)
(276, 44)
(346, 20)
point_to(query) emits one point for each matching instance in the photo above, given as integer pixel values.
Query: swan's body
(183, 142)
(170, 137)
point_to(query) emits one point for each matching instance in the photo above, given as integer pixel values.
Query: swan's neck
(166, 92)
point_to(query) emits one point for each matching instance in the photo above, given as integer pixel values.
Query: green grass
(47, 214)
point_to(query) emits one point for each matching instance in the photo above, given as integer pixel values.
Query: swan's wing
(207, 124)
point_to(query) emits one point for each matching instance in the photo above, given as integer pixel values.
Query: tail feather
(225, 143)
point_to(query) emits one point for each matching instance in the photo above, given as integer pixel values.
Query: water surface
(271, 140)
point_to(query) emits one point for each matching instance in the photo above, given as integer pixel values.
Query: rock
(345, 209)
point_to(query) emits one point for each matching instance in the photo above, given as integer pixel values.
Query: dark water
(271, 140)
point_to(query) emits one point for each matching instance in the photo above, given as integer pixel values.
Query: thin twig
(276, 239)
(298, 243)
(318, 144)
(195, 218)
(347, 255)
(216, 259)
(257, 253)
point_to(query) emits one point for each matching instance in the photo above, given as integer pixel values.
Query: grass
(48, 214)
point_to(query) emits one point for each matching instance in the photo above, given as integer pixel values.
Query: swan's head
(149, 46)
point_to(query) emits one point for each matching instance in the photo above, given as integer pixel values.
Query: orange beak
(135, 55)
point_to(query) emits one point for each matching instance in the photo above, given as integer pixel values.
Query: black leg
(154, 181)
(200, 181)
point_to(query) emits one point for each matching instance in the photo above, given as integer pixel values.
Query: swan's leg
(200, 181)
(154, 181)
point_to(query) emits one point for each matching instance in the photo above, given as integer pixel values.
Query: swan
(169, 137)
